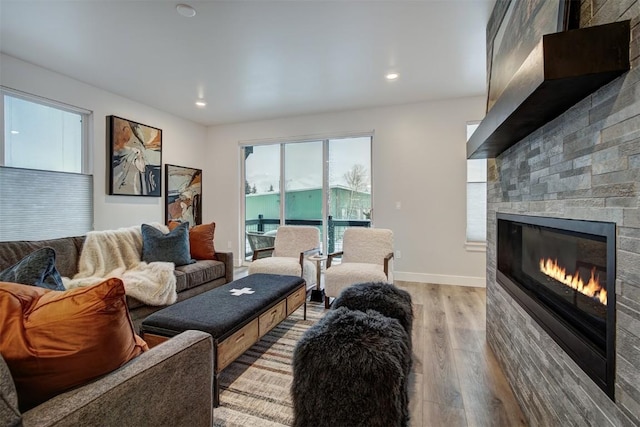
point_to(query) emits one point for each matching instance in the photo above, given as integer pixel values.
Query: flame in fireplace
(592, 288)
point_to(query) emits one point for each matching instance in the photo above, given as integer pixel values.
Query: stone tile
(539, 189)
(630, 408)
(535, 175)
(583, 161)
(631, 218)
(634, 161)
(609, 153)
(620, 129)
(550, 178)
(579, 182)
(575, 194)
(623, 99)
(594, 214)
(586, 170)
(627, 277)
(580, 140)
(537, 163)
(585, 203)
(628, 377)
(626, 189)
(629, 298)
(607, 166)
(561, 167)
(629, 244)
(628, 265)
(629, 232)
(621, 202)
(628, 345)
(558, 158)
(630, 148)
(629, 177)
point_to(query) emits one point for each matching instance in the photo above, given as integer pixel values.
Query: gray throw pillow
(36, 269)
(9, 413)
(172, 247)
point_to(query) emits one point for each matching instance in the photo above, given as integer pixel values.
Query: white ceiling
(253, 60)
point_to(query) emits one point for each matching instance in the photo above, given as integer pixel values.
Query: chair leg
(326, 302)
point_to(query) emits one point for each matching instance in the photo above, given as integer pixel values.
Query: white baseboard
(441, 279)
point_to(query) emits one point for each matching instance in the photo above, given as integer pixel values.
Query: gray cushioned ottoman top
(220, 311)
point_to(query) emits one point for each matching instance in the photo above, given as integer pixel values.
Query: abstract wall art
(136, 158)
(183, 194)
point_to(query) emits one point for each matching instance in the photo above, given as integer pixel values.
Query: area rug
(254, 390)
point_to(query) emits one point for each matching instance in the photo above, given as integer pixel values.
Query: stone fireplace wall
(583, 165)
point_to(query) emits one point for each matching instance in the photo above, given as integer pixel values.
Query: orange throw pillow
(53, 341)
(200, 240)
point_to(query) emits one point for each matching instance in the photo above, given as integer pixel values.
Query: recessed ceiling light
(186, 10)
(15, 132)
(392, 76)
(200, 103)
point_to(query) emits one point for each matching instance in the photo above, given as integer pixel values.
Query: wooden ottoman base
(236, 315)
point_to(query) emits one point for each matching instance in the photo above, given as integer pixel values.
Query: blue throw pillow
(36, 269)
(172, 247)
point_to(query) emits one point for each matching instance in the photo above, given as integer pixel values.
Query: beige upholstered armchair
(366, 255)
(292, 246)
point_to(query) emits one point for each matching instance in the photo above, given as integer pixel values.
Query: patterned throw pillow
(36, 269)
(172, 247)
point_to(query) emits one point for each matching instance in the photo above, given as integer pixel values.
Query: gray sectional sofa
(191, 279)
(169, 385)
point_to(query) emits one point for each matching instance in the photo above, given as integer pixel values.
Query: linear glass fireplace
(562, 272)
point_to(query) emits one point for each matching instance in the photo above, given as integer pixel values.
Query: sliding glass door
(303, 178)
(349, 183)
(326, 183)
(261, 195)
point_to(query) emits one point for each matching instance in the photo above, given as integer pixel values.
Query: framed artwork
(183, 194)
(521, 28)
(135, 158)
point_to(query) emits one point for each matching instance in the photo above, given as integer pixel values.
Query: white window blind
(476, 196)
(45, 190)
(38, 205)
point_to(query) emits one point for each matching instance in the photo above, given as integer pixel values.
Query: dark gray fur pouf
(382, 297)
(349, 369)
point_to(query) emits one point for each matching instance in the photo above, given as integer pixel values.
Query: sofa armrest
(227, 259)
(171, 384)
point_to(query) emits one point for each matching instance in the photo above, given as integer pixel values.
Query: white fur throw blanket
(117, 253)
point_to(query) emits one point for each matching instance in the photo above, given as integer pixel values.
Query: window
(476, 199)
(326, 182)
(38, 135)
(44, 175)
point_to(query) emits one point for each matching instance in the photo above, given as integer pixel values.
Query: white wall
(419, 159)
(183, 141)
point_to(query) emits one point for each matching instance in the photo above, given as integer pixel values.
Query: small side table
(317, 295)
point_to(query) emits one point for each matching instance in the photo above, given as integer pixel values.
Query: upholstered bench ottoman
(236, 315)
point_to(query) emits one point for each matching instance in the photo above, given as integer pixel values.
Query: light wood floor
(457, 380)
